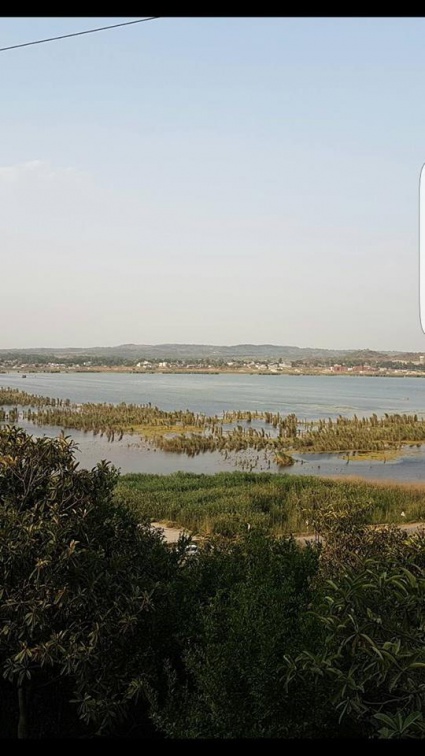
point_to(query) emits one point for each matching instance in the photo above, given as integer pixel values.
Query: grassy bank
(228, 503)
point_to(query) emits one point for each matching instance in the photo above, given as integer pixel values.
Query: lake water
(309, 397)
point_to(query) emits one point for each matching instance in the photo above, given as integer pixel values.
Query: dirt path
(172, 535)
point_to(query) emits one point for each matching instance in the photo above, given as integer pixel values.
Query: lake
(309, 397)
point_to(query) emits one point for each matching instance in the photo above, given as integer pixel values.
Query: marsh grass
(230, 503)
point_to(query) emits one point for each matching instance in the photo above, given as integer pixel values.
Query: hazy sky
(212, 180)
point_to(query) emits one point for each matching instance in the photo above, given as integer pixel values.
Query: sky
(212, 181)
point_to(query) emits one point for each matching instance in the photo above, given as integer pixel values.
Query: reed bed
(191, 433)
(227, 503)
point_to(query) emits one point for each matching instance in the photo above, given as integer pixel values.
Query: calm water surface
(309, 397)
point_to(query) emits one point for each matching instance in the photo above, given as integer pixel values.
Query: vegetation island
(272, 436)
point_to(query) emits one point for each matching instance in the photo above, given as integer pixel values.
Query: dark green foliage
(251, 637)
(372, 664)
(83, 585)
(276, 650)
(250, 601)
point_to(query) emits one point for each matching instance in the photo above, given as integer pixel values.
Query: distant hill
(174, 352)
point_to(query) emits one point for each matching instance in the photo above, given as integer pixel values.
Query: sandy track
(172, 535)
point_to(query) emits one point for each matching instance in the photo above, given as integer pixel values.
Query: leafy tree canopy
(81, 582)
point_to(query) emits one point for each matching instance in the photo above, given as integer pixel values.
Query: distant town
(379, 365)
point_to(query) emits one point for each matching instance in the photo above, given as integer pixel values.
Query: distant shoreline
(218, 371)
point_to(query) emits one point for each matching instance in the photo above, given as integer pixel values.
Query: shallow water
(309, 397)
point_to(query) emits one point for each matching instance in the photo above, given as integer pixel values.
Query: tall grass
(228, 503)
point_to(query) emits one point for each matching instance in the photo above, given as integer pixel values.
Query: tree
(373, 661)
(79, 581)
(276, 649)
(248, 609)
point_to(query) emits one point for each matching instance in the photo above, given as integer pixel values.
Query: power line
(78, 34)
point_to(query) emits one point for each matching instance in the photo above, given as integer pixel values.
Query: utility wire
(78, 34)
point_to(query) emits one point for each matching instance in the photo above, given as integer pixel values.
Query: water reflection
(309, 397)
(132, 454)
